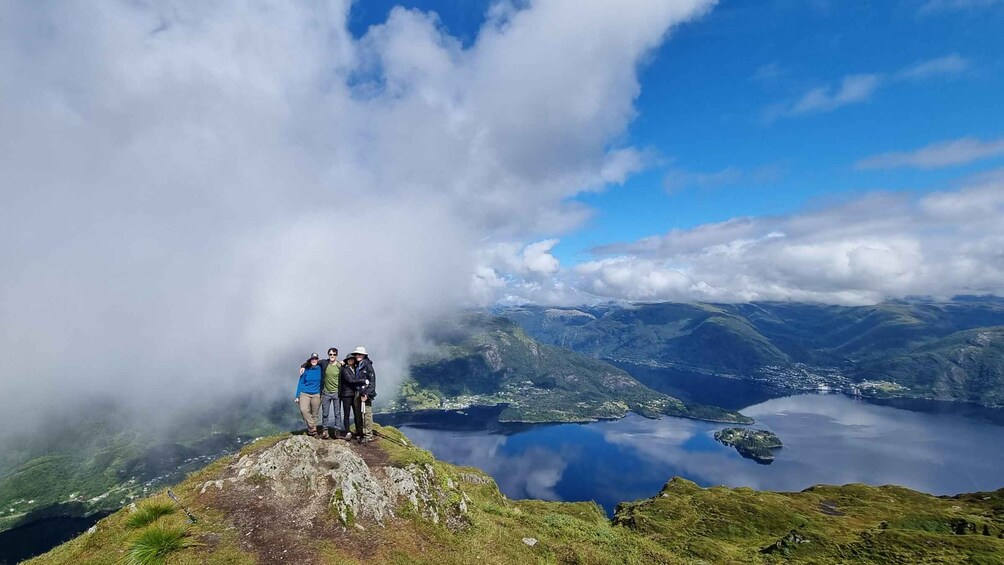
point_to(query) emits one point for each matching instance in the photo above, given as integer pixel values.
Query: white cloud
(197, 195)
(859, 88)
(516, 273)
(951, 64)
(944, 154)
(852, 89)
(682, 241)
(532, 260)
(860, 252)
(632, 279)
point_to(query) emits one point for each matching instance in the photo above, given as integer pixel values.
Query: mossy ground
(847, 524)
(683, 524)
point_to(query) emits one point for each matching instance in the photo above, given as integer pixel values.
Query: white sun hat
(360, 350)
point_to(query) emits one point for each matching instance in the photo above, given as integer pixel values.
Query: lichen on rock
(316, 476)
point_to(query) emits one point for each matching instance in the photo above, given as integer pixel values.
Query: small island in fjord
(757, 445)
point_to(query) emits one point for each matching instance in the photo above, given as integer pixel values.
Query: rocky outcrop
(786, 544)
(310, 477)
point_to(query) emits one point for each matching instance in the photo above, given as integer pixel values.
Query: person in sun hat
(308, 392)
(348, 392)
(365, 373)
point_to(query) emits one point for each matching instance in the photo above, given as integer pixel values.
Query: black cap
(314, 356)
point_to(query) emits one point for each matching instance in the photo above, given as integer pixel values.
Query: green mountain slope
(105, 460)
(390, 502)
(775, 341)
(827, 334)
(687, 335)
(486, 360)
(823, 524)
(965, 366)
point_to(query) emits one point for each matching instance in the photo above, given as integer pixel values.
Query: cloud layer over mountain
(863, 251)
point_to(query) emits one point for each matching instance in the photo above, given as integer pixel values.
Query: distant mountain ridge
(865, 343)
(488, 360)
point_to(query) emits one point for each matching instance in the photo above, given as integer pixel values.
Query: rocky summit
(296, 499)
(315, 477)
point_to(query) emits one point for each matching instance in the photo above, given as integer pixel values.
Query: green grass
(148, 512)
(155, 543)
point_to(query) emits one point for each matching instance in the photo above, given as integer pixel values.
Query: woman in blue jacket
(308, 393)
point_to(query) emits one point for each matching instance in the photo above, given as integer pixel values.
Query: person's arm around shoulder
(351, 375)
(299, 386)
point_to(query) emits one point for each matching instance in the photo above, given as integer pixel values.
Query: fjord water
(828, 439)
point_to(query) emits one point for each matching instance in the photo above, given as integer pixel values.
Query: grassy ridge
(684, 523)
(847, 524)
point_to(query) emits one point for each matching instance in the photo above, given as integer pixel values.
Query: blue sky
(707, 94)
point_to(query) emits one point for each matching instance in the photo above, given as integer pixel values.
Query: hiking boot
(347, 436)
(324, 434)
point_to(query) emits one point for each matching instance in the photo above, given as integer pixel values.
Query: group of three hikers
(326, 385)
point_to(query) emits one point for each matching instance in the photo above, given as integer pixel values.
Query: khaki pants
(310, 406)
(368, 419)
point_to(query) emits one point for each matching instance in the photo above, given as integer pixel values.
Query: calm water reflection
(828, 439)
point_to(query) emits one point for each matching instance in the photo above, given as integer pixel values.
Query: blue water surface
(828, 439)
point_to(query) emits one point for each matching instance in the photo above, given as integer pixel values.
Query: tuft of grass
(257, 479)
(148, 513)
(155, 543)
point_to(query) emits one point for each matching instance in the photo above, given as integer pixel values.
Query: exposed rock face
(310, 476)
(785, 544)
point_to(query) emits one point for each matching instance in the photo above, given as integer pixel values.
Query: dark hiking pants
(346, 409)
(357, 414)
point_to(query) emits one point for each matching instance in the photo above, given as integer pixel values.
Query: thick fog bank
(198, 195)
